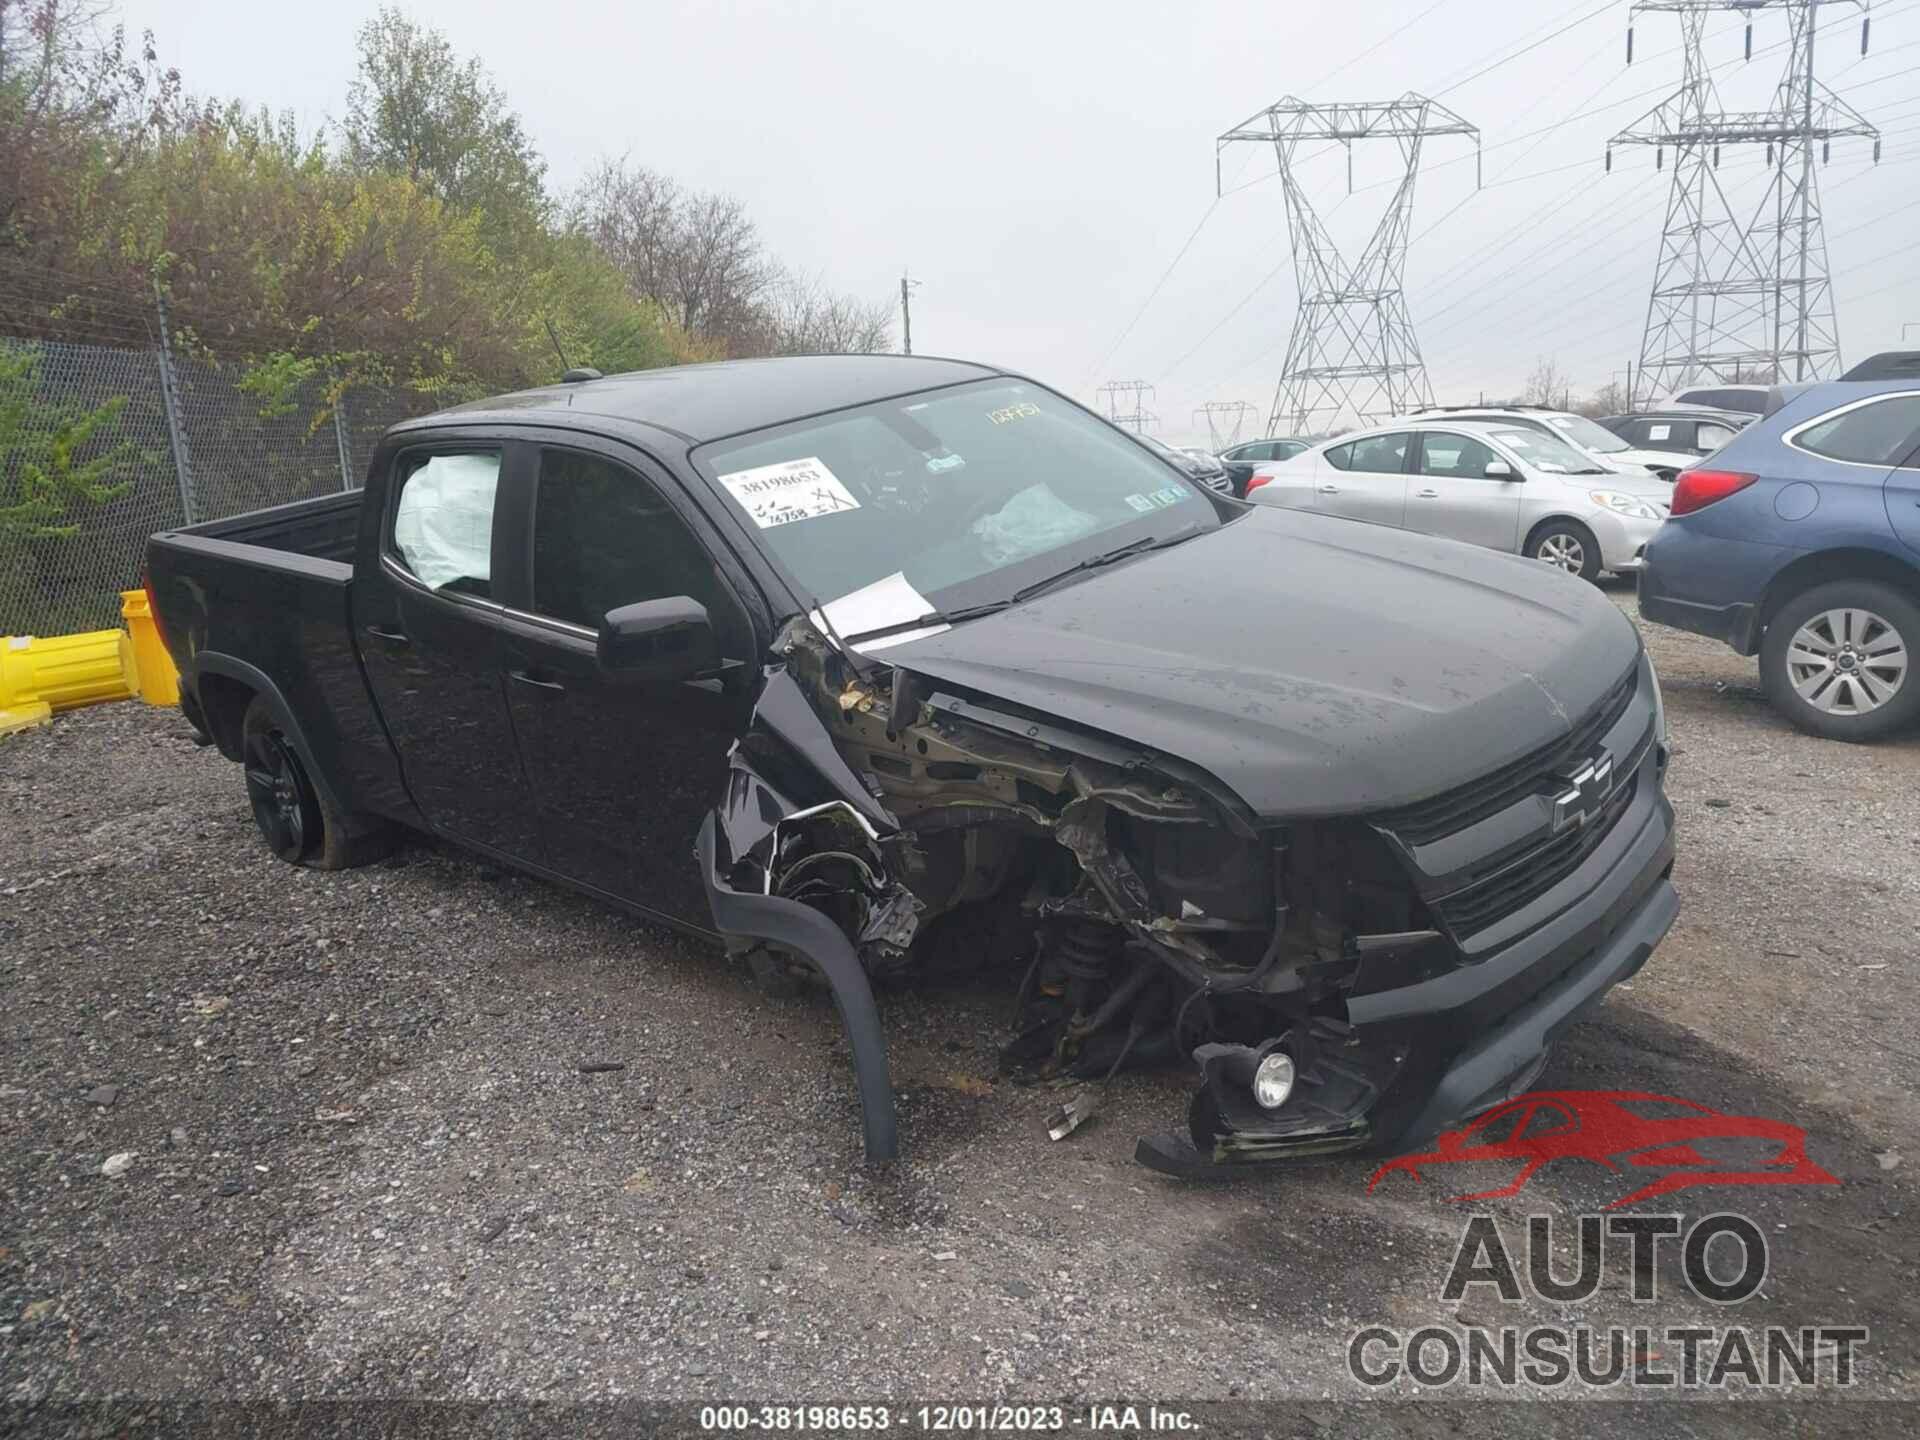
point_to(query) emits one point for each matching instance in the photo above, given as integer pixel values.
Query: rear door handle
(392, 637)
(1329, 489)
(1428, 494)
(551, 686)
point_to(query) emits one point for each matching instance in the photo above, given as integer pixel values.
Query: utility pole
(1352, 354)
(1722, 285)
(907, 287)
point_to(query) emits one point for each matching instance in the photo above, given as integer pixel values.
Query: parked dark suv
(1800, 542)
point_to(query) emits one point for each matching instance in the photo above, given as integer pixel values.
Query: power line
(1593, 14)
(1171, 264)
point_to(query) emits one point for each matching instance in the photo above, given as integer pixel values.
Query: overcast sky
(1038, 165)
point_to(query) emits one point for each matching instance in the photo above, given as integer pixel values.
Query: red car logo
(1627, 1132)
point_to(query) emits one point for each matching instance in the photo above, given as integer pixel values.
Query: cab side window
(604, 537)
(443, 519)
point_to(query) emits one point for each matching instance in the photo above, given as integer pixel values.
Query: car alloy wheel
(1562, 550)
(275, 788)
(1846, 661)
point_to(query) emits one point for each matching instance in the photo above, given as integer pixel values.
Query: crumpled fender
(805, 931)
(743, 828)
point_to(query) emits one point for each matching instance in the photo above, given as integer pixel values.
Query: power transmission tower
(1738, 300)
(1225, 420)
(1125, 402)
(1352, 353)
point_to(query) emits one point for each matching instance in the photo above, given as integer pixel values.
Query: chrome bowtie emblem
(1587, 791)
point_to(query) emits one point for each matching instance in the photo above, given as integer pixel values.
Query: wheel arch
(1558, 518)
(1845, 563)
(225, 687)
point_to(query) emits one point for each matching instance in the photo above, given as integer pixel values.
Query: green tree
(416, 109)
(55, 460)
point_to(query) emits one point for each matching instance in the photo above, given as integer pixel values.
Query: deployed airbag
(444, 522)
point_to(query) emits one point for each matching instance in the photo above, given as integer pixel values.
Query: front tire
(295, 820)
(1566, 545)
(1837, 660)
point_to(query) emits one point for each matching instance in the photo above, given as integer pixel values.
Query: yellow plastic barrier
(159, 682)
(59, 672)
(24, 717)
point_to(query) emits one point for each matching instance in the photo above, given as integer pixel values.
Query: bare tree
(1610, 399)
(1547, 384)
(802, 317)
(695, 254)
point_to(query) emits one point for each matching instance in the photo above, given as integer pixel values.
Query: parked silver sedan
(1484, 482)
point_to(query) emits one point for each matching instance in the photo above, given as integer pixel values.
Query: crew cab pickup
(870, 666)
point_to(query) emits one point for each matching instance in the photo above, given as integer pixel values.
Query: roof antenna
(547, 321)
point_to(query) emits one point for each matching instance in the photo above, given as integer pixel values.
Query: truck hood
(1314, 666)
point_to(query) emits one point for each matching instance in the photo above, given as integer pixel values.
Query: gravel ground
(366, 1160)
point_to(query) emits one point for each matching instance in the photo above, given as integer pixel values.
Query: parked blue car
(1799, 541)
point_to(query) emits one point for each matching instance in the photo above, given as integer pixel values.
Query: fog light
(1273, 1081)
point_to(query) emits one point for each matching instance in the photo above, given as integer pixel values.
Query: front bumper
(1524, 982)
(1623, 541)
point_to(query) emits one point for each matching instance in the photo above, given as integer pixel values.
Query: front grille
(1428, 820)
(1531, 876)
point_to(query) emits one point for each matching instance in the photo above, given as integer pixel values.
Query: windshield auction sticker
(792, 490)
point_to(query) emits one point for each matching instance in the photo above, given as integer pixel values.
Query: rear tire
(1837, 660)
(294, 818)
(1566, 545)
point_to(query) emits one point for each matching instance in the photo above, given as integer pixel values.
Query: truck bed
(263, 603)
(324, 528)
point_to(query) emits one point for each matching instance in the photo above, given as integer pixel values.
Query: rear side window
(1340, 457)
(443, 519)
(1711, 437)
(1379, 454)
(1884, 432)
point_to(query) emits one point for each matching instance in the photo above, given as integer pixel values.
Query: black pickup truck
(871, 666)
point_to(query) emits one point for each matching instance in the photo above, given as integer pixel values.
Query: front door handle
(1428, 494)
(553, 687)
(392, 637)
(1329, 489)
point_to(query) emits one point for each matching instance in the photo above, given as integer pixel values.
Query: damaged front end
(878, 827)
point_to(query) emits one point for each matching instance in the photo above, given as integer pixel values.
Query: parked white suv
(1613, 451)
(1489, 483)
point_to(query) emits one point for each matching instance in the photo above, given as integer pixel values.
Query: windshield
(1543, 452)
(948, 499)
(1589, 435)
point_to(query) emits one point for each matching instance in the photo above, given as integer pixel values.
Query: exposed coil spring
(1087, 949)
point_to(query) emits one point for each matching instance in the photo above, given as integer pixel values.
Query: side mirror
(663, 639)
(1499, 470)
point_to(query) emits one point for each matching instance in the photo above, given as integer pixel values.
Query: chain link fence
(102, 445)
